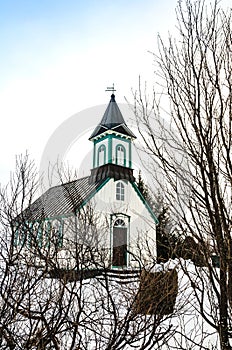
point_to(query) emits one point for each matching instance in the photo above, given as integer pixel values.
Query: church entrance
(119, 244)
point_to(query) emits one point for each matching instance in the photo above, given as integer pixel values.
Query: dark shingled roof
(112, 120)
(68, 198)
(64, 199)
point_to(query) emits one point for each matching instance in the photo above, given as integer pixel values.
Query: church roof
(112, 120)
(63, 200)
(66, 199)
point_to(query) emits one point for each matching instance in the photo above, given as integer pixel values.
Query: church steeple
(112, 120)
(112, 143)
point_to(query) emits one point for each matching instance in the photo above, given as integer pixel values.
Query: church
(98, 220)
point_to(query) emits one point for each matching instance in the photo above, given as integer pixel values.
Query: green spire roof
(112, 120)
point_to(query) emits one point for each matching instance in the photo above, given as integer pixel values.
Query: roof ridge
(64, 198)
(66, 183)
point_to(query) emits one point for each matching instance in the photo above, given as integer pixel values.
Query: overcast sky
(58, 56)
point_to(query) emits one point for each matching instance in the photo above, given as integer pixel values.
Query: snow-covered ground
(191, 330)
(98, 313)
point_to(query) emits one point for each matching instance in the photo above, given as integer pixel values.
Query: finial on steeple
(110, 88)
(112, 120)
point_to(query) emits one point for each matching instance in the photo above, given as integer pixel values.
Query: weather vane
(110, 88)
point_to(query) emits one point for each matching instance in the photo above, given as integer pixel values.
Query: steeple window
(120, 155)
(101, 155)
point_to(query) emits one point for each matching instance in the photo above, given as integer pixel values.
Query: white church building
(102, 217)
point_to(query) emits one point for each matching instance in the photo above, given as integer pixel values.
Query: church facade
(98, 220)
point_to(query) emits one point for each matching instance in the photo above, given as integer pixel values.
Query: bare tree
(61, 294)
(192, 147)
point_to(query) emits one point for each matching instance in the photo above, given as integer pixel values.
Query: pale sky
(58, 56)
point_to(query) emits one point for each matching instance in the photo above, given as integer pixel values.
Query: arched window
(54, 234)
(40, 234)
(120, 191)
(119, 223)
(101, 158)
(60, 235)
(20, 235)
(120, 155)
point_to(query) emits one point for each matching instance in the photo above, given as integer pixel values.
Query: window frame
(101, 148)
(120, 191)
(119, 159)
